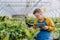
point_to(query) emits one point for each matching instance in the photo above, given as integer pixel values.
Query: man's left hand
(45, 27)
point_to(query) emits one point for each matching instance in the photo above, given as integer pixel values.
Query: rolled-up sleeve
(35, 22)
(51, 25)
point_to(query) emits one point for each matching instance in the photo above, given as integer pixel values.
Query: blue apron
(44, 34)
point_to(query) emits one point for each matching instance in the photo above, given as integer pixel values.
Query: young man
(46, 29)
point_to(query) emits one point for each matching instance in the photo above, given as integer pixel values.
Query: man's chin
(38, 18)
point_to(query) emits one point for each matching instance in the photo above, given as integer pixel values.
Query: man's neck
(41, 20)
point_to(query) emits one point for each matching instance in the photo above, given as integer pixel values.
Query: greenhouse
(17, 18)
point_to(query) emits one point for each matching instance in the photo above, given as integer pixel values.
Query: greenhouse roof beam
(32, 7)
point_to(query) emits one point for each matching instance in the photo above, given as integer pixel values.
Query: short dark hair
(36, 10)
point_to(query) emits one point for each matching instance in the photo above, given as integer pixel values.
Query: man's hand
(45, 27)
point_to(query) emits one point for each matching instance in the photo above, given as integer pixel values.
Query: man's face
(39, 15)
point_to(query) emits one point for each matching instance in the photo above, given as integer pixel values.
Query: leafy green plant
(16, 29)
